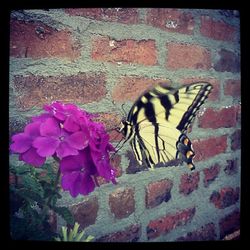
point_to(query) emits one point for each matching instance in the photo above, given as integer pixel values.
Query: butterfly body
(157, 123)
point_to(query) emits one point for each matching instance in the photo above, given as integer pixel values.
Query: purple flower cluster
(67, 133)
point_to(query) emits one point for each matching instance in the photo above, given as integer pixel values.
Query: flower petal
(70, 163)
(31, 157)
(33, 129)
(64, 149)
(78, 140)
(46, 146)
(41, 118)
(102, 164)
(22, 143)
(71, 182)
(50, 128)
(71, 125)
(87, 184)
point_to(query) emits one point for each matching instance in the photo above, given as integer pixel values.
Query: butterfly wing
(160, 119)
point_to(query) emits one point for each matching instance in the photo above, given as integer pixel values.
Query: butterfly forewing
(159, 119)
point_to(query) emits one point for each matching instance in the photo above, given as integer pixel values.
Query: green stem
(48, 204)
(55, 186)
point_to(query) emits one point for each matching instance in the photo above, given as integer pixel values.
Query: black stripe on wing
(190, 114)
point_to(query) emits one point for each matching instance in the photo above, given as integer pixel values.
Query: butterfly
(157, 123)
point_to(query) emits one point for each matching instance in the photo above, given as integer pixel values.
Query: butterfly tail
(185, 151)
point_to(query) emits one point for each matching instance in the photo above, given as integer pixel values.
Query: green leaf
(31, 183)
(75, 229)
(89, 238)
(65, 213)
(29, 195)
(20, 170)
(79, 236)
(64, 232)
(50, 171)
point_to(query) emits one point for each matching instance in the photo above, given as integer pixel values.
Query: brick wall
(102, 58)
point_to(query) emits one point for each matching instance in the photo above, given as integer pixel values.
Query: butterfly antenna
(123, 110)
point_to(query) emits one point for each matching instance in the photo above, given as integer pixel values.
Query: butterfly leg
(185, 151)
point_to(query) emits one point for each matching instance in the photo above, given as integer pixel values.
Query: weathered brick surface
(129, 234)
(228, 61)
(205, 233)
(158, 192)
(222, 118)
(111, 121)
(188, 56)
(85, 213)
(229, 223)
(189, 183)
(217, 30)
(38, 90)
(130, 88)
(231, 167)
(214, 95)
(134, 166)
(171, 20)
(236, 140)
(233, 88)
(121, 15)
(169, 222)
(210, 147)
(122, 203)
(16, 126)
(125, 51)
(37, 40)
(210, 174)
(225, 197)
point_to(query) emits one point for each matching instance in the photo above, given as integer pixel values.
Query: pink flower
(55, 139)
(67, 133)
(22, 144)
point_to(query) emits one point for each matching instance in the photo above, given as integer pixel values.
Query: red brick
(236, 140)
(121, 15)
(134, 166)
(169, 222)
(189, 56)
(189, 182)
(222, 118)
(239, 114)
(111, 121)
(37, 90)
(206, 232)
(171, 20)
(85, 213)
(130, 88)
(225, 197)
(158, 192)
(129, 234)
(229, 223)
(37, 40)
(233, 88)
(210, 174)
(126, 51)
(217, 30)
(215, 93)
(122, 203)
(206, 148)
(228, 61)
(231, 167)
